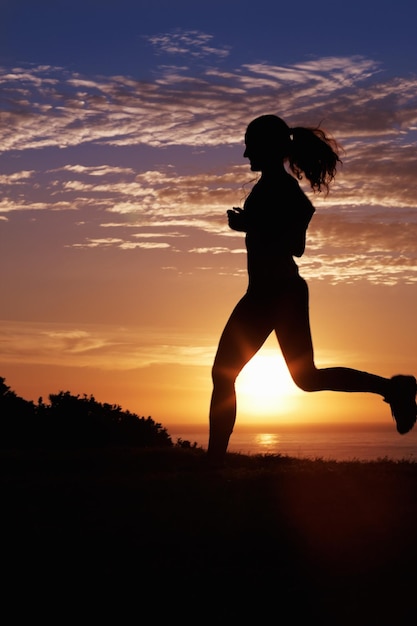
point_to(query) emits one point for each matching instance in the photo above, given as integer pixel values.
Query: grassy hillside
(150, 536)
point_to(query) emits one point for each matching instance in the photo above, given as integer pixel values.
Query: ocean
(339, 442)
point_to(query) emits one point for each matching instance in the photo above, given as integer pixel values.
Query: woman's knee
(222, 375)
(307, 379)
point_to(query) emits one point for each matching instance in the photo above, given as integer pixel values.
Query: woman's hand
(237, 219)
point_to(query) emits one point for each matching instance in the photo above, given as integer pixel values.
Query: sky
(121, 149)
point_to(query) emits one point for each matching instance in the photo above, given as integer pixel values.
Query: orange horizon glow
(179, 395)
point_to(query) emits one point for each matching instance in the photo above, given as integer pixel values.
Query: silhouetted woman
(275, 218)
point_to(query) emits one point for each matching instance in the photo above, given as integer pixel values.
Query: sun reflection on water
(267, 440)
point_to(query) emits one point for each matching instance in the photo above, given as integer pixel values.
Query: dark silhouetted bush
(73, 421)
(17, 418)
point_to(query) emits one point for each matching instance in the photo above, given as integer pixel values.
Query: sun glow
(264, 387)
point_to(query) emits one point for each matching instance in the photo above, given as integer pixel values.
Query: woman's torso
(277, 216)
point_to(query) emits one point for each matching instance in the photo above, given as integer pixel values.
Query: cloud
(8, 205)
(98, 170)
(203, 108)
(16, 178)
(187, 43)
(103, 242)
(114, 242)
(217, 250)
(106, 348)
(166, 205)
(145, 245)
(354, 244)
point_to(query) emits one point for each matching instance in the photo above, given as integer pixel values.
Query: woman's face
(253, 152)
(261, 154)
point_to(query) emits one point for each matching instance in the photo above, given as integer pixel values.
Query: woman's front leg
(244, 333)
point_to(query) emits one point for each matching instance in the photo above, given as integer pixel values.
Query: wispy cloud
(217, 250)
(112, 348)
(367, 224)
(187, 43)
(63, 109)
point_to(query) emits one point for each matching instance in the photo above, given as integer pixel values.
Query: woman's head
(309, 151)
(267, 141)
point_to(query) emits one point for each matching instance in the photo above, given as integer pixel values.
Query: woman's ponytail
(315, 155)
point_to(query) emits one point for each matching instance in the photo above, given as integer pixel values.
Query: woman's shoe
(402, 399)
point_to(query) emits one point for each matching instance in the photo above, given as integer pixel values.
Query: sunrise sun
(264, 387)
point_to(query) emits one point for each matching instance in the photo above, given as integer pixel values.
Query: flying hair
(314, 155)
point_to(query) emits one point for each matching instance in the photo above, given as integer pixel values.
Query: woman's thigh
(246, 331)
(292, 327)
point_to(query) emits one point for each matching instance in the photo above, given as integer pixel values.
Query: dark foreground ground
(152, 537)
